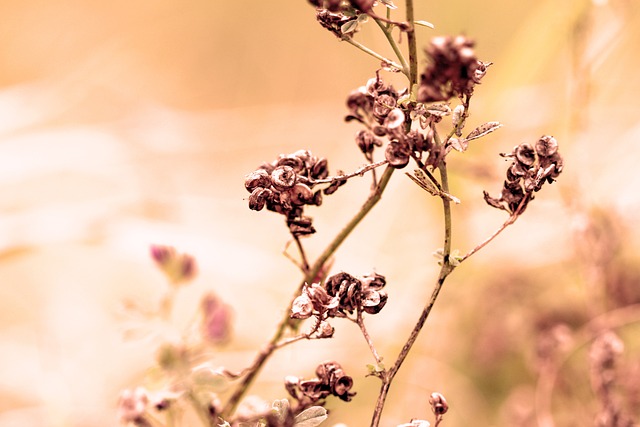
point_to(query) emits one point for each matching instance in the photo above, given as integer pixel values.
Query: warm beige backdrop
(129, 123)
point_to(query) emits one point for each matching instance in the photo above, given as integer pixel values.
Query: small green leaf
(375, 370)
(311, 417)
(349, 27)
(424, 24)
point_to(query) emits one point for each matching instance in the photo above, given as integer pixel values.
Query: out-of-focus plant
(421, 124)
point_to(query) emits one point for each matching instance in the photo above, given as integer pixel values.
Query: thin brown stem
(367, 338)
(303, 255)
(445, 270)
(512, 218)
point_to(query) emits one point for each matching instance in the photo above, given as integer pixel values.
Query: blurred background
(124, 124)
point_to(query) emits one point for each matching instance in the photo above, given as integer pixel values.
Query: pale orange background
(129, 123)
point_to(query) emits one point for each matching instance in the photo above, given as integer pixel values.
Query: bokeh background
(124, 124)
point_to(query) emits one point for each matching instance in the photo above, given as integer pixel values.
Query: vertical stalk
(445, 270)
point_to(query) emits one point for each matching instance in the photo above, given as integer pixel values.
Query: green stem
(373, 53)
(413, 50)
(312, 274)
(386, 29)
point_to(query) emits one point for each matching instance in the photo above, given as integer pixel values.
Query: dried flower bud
(257, 178)
(216, 319)
(293, 161)
(398, 154)
(283, 177)
(367, 141)
(301, 194)
(527, 174)
(320, 169)
(383, 106)
(179, 268)
(301, 226)
(376, 304)
(525, 154)
(302, 307)
(438, 403)
(335, 185)
(453, 69)
(394, 119)
(546, 146)
(326, 330)
(259, 198)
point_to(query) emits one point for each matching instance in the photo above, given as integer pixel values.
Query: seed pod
(320, 169)
(283, 177)
(546, 146)
(257, 178)
(302, 307)
(525, 154)
(398, 154)
(394, 119)
(438, 403)
(293, 161)
(300, 194)
(258, 198)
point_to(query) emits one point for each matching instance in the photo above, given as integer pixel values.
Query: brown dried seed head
(257, 178)
(283, 177)
(398, 154)
(258, 198)
(302, 307)
(293, 161)
(438, 403)
(546, 146)
(394, 119)
(525, 154)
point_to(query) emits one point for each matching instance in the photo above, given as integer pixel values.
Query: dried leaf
(311, 417)
(424, 183)
(460, 145)
(482, 130)
(424, 24)
(439, 110)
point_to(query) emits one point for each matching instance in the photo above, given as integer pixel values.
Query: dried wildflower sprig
(330, 380)
(405, 124)
(530, 169)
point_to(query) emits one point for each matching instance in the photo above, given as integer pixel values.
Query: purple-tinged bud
(216, 319)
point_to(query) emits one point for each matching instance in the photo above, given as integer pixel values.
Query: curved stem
(367, 337)
(386, 29)
(311, 275)
(373, 53)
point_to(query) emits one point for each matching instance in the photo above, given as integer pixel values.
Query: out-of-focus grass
(129, 123)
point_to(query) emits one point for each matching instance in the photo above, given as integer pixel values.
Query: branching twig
(271, 346)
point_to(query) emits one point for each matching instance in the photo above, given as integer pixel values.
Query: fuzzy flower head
(453, 69)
